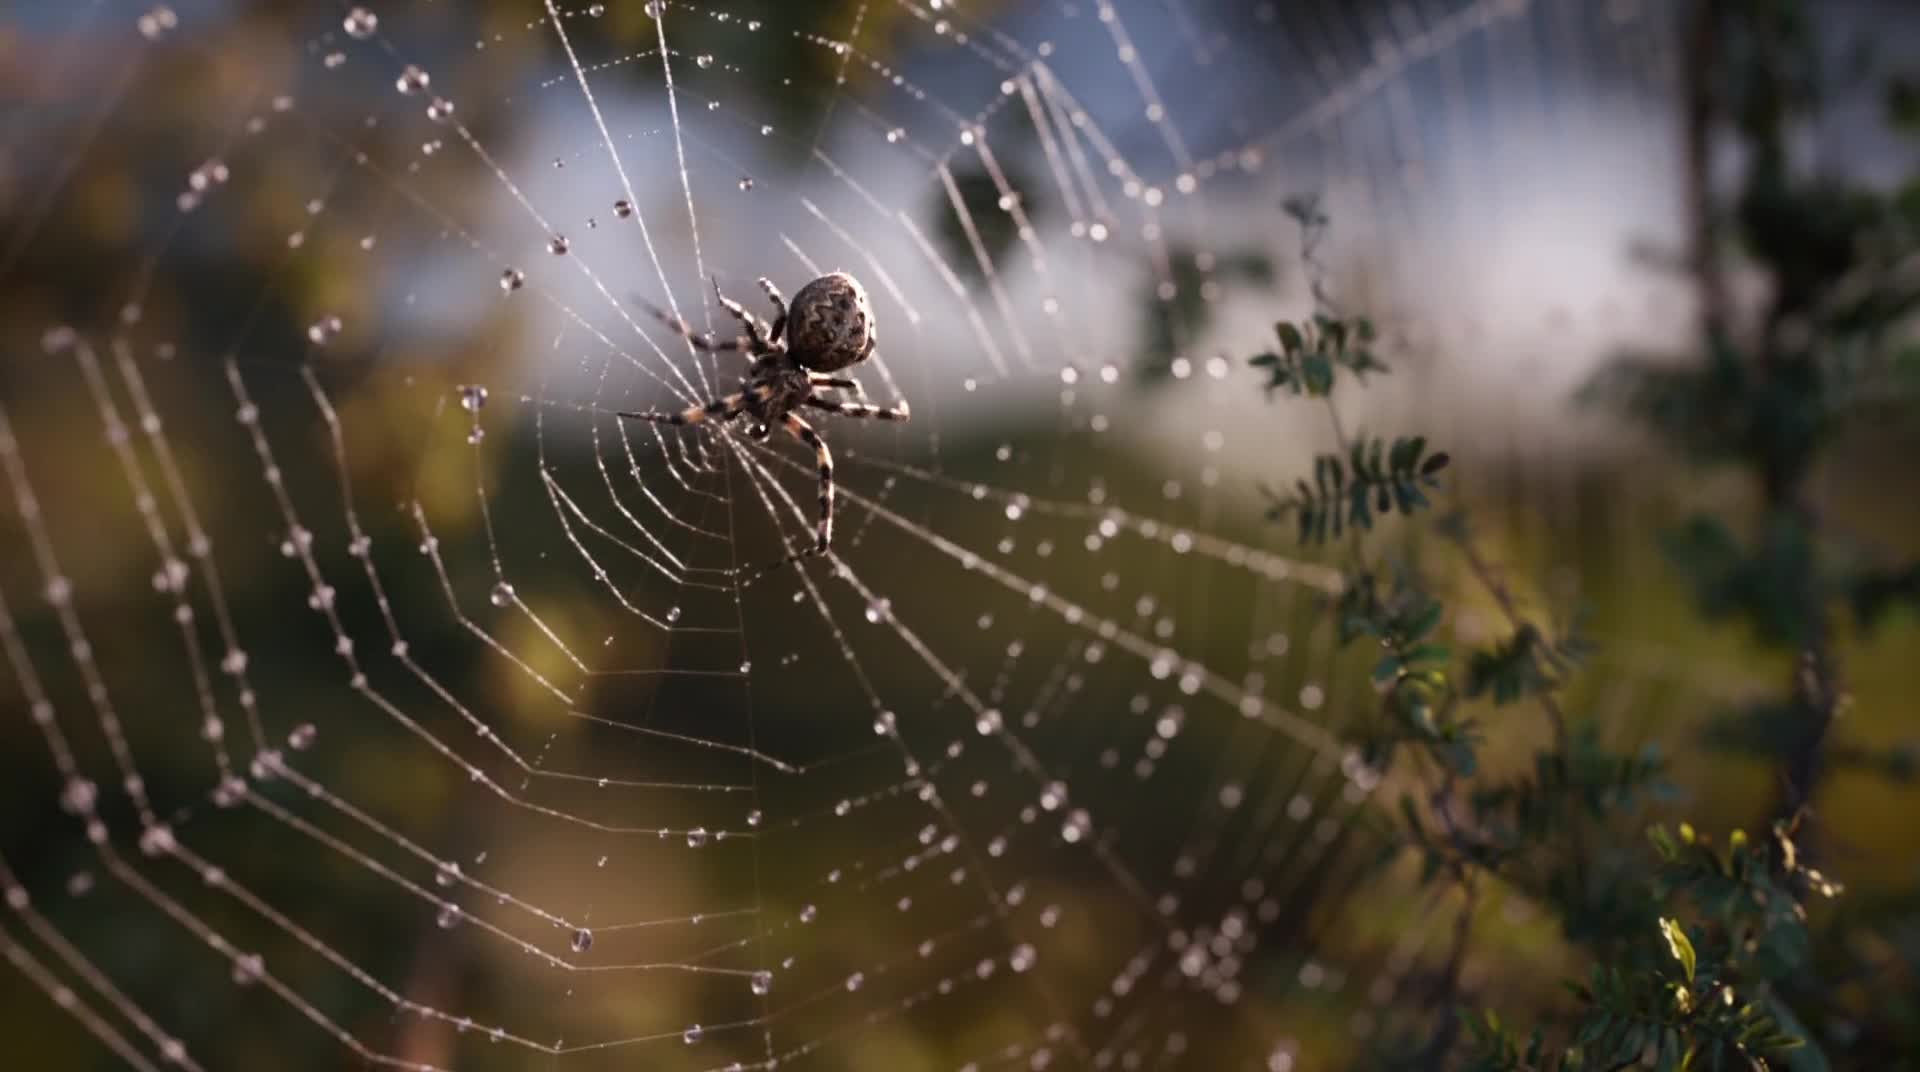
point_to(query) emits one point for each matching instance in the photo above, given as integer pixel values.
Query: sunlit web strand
(1180, 538)
(364, 161)
(619, 167)
(323, 600)
(679, 150)
(96, 1025)
(445, 870)
(633, 470)
(321, 398)
(155, 838)
(1024, 758)
(17, 898)
(1251, 706)
(502, 590)
(971, 133)
(59, 592)
(1099, 848)
(146, 505)
(199, 543)
(762, 481)
(565, 929)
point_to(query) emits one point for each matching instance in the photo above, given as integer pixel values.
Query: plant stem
(1483, 571)
(1815, 690)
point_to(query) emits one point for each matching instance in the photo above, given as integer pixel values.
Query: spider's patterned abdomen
(829, 324)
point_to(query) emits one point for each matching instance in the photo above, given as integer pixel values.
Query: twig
(1483, 571)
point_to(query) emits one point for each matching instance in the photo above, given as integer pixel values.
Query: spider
(828, 327)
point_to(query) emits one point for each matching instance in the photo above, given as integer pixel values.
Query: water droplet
(502, 595)
(302, 737)
(557, 245)
(79, 796)
(808, 913)
(323, 330)
(746, 182)
(655, 8)
(512, 279)
(361, 23)
(988, 722)
(746, 666)
(623, 208)
(154, 24)
(883, 724)
(673, 614)
(472, 397)
(582, 940)
(766, 130)
(754, 817)
(696, 837)
(441, 110)
(761, 982)
(412, 80)
(855, 981)
(703, 61)
(248, 968)
(1078, 825)
(448, 918)
(692, 1034)
(596, 10)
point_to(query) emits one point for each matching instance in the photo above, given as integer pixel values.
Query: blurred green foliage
(1697, 955)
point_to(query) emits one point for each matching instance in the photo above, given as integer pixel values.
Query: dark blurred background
(375, 696)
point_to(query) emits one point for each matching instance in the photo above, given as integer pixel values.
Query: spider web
(394, 703)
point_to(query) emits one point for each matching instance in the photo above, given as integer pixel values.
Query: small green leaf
(1336, 333)
(1662, 841)
(1290, 338)
(1429, 653)
(1680, 944)
(1423, 622)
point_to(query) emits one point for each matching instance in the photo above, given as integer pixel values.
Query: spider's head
(829, 324)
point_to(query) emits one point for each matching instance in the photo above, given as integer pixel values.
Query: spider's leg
(823, 531)
(901, 412)
(779, 308)
(747, 320)
(821, 379)
(700, 340)
(719, 408)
